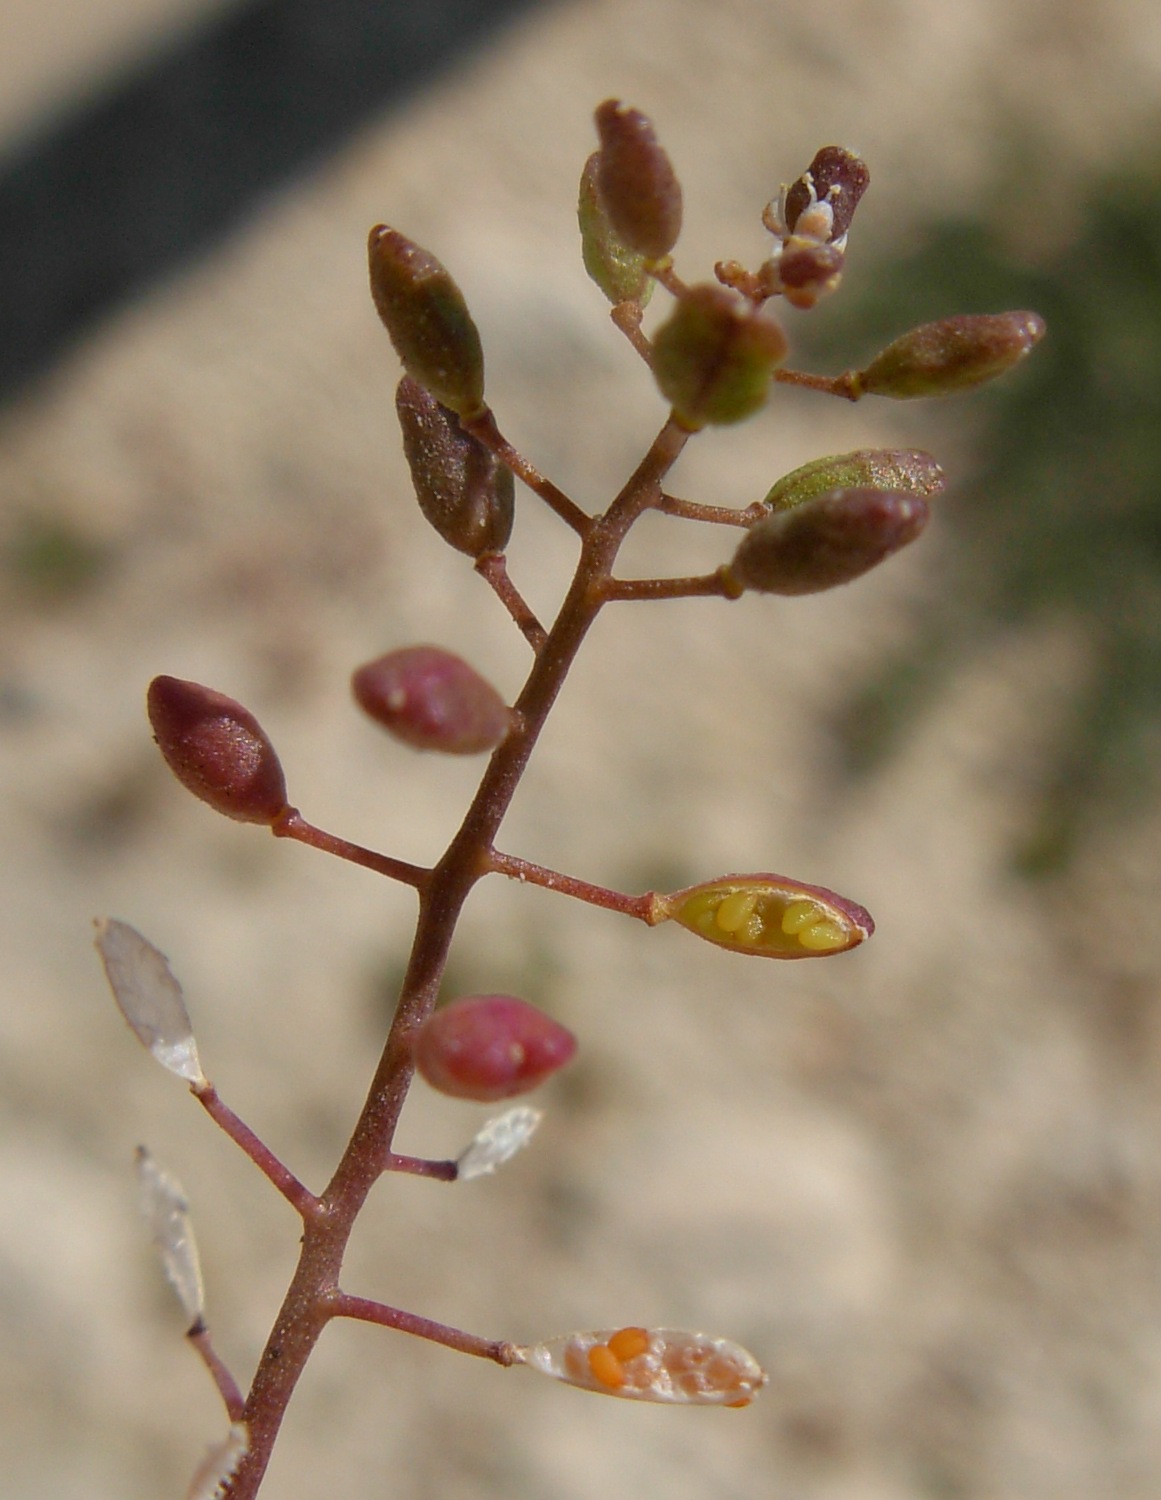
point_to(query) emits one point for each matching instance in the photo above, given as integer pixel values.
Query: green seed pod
(907, 469)
(714, 356)
(616, 269)
(425, 314)
(462, 489)
(770, 916)
(829, 540)
(636, 181)
(954, 354)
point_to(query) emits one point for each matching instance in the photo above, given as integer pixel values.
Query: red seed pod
(616, 268)
(489, 1047)
(954, 354)
(636, 181)
(837, 178)
(217, 749)
(432, 700)
(714, 357)
(462, 489)
(425, 314)
(831, 539)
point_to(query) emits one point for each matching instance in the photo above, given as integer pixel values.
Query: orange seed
(606, 1366)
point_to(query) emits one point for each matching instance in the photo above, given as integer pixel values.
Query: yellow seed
(606, 1366)
(753, 929)
(823, 937)
(800, 914)
(627, 1343)
(734, 910)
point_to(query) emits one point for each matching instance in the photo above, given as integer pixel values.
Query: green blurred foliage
(1062, 510)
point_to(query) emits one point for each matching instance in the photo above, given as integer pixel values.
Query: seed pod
(497, 1141)
(432, 700)
(217, 749)
(669, 1365)
(636, 181)
(425, 314)
(714, 356)
(462, 489)
(907, 469)
(807, 272)
(490, 1047)
(954, 354)
(831, 539)
(770, 916)
(836, 177)
(617, 269)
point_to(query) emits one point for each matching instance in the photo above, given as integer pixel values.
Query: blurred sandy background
(920, 1181)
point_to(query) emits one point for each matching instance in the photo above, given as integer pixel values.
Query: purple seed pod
(770, 915)
(636, 181)
(937, 359)
(490, 1047)
(829, 540)
(425, 314)
(432, 700)
(462, 489)
(217, 749)
(837, 178)
(714, 357)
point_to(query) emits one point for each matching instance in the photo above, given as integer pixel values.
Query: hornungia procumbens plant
(715, 357)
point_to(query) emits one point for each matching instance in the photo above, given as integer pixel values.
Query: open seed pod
(770, 915)
(669, 1365)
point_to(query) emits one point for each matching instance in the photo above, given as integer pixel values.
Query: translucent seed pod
(954, 354)
(907, 469)
(497, 1142)
(714, 357)
(427, 318)
(149, 997)
(770, 916)
(667, 1365)
(636, 182)
(490, 1047)
(220, 1464)
(826, 541)
(616, 267)
(462, 489)
(432, 699)
(165, 1209)
(217, 750)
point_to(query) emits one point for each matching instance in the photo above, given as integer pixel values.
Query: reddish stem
(419, 1166)
(704, 586)
(292, 825)
(844, 385)
(493, 569)
(343, 1305)
(298, 1196)
(720, 515)
(644, 908)
(308, 1302)
(199, 1337)
(483, 428)
(626, 317)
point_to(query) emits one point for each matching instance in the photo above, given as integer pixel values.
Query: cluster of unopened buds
(714, 359)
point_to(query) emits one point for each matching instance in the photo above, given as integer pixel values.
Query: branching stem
(645, 908)
(493, 569)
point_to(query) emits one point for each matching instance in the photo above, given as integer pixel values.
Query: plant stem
(703, 586)
(311, 1298)
(292, 825)
(365, 1310)
(483, 428)
(298, 1196)
(843, 385)
(644, 908)
(493, 568)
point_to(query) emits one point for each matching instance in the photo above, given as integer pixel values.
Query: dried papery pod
(497, 1142)
(636, 181)
(826, 541)
(166, 1211)
(217, 750)
(424, 312)
(462, 489)
(668, 1365)
(432, 700)
(489, 1047)
(616, 267)
(220, 1464)
(714, 356)
(769, 915)
(907, 469)
(149, 997)
(954, 354)
(836, 179)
